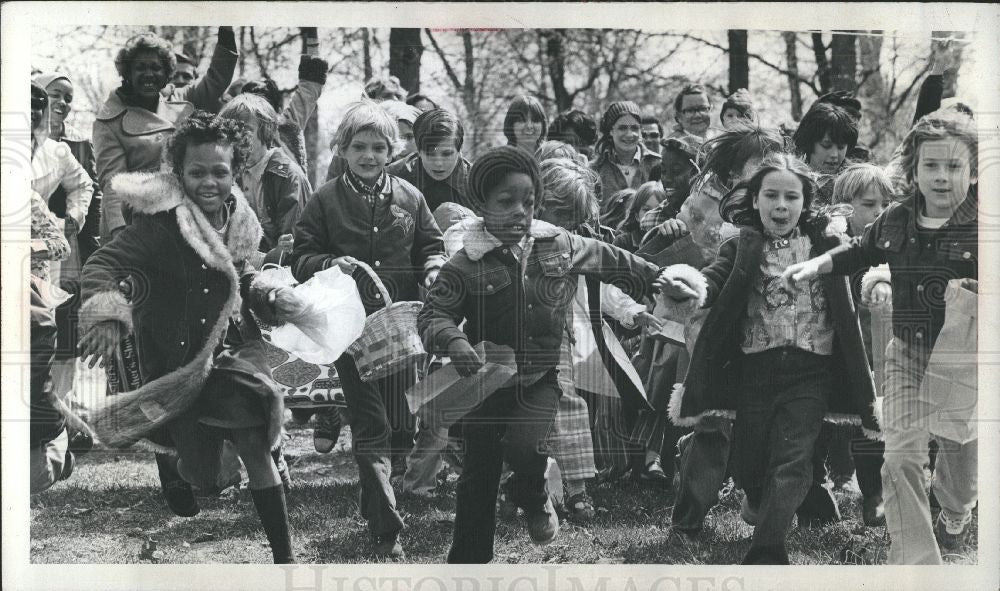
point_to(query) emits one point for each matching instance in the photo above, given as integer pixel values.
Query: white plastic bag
(333, 319)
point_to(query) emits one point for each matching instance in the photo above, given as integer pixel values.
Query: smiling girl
(526, 123)
(825, 135)
(768, 356)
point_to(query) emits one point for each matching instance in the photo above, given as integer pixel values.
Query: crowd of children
(683, 305)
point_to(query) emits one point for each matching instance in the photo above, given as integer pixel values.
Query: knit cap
(490, 169)
(615, 111)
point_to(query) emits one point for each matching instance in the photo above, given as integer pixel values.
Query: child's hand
(286, 242)
(346, 264)
(880, 294)
(100, 342)
(673, 227)
(464, 357)
(970, 284)
(431, 276)
(648, 321)
(799, 273)
(674, 288)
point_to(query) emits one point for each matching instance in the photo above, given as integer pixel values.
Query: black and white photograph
(500, 296)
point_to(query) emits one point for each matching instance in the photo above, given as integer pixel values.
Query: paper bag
(950, 380)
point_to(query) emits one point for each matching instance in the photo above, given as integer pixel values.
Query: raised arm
(207, 93)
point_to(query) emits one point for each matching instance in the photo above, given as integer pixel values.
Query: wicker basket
(390, 340)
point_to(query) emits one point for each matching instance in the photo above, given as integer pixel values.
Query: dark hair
(576, 122)
(203, 127)
(689, 89)
(614, 212)
(843, 99)
(433, 128)
(145, 42)
(183, 59)
(737, 206)
(642, 194)
(821, 120)
(741, 101)
(649, 119)
(413, 99)
(523, 108)
(731, 150)
(491, 168)
(679, 146)
(266, 88)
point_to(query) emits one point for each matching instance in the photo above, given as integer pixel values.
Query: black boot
(273, 513)
(176, 490)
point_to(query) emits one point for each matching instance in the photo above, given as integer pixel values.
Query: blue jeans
(508, 426)
(779, 418)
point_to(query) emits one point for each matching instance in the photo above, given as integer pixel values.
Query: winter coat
(129, 138)
(526, 310)
(188, 290)
(284, 192)
(397, 237)
(611, 178)
(712, 384)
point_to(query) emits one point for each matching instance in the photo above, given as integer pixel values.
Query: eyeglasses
(650, 135)
(39, 102)
(696, 110)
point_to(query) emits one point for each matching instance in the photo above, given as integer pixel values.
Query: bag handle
(378, 283)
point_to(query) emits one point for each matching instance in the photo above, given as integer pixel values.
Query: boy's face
(440, 161)
(867, 206)
(183, 75)
(651, 136)
(406, 134)
(677, 171)
(943, 175)
(826, 156)
(367, 154)
(510, 207)
(732, 118)
(694, 114)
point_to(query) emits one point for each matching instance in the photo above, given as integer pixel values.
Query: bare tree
(792, 64)
(405, 50)
(739, 61)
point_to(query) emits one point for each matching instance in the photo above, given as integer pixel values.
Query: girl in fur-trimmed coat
(768, 357)
(205, 378)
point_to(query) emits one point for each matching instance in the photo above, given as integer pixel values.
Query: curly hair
(554, 149)
(574, 122)
(145, 42)
(524, 108)
(571, 187)
(737, 206)
(939, 125)
(203, 127)
(825, 119)
(247, 106)
(385, 88)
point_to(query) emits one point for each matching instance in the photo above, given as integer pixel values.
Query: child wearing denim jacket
(770, 355)
(927, 239)
(512, 282)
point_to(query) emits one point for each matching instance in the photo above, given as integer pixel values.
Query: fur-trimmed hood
(471, 234)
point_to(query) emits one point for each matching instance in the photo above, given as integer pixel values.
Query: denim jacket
(921, 263)
(522, 306)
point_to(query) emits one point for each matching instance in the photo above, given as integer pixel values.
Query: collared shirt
(369, 192)
(776, 317)
(628, 168)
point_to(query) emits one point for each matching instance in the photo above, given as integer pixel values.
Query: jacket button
(966, 255)
(375, 229)
(204, 290)
(378, 263)
(920, 334)
(378, 296)
(203, 321)
(489, 287)
(204, 266)
(182, 343)
(913, 240)
(887, 243)
(530, 306)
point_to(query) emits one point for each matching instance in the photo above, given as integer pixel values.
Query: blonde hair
(568, 184)
(858, 178)
(367, 115)
(550, 149)
(248, 106)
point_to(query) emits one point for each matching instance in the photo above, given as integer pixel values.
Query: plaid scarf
(369, 192)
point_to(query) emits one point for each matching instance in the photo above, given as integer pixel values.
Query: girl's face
(650, 203)
(779, 202)
(147, 74)
(527, 132)
(510, 207)
(367, 154)
(626, 134)
(60, 93)
(867, 206)
(943, 175)
(406, 134)
(207, 175)
(826, 156)
(732, 118)
(441, 160)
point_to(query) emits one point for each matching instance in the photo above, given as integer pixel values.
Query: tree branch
(447, 66)
(811, 84)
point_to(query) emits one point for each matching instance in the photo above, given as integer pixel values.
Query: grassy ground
(111, 507)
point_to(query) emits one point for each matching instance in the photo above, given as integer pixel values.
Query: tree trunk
(366, 44)
(311, 133)
(950, 75)
(555, 51)
(792, 61)
(405, 50)
(844, 62)
(871, 90)
(243, 52)
(739, 61)
(822, 64)
(469, 93)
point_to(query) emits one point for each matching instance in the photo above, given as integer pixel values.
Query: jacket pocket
(556, 264)
(891, 239)
(489, 282)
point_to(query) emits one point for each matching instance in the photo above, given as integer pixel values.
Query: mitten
(313, 69)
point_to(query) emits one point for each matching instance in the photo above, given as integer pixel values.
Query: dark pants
(508, 426)
(371, 433)
(702, 457)
(781, 411)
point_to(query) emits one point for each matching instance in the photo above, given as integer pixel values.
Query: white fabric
(930, 223)
(53, 165)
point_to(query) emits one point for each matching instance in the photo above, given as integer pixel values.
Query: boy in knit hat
(512, 283)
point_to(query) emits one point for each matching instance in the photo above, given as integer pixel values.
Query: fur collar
(151, 193)
(471, 235)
